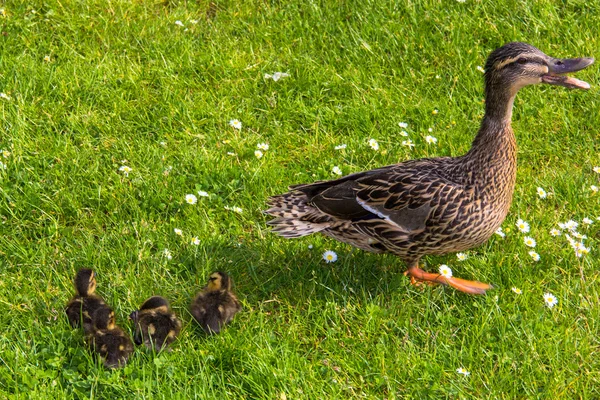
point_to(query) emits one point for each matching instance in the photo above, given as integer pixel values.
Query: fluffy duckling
(81, 309)
(109, 341)
(155, 324)
(216, 305)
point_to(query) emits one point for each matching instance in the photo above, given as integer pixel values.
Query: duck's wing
(405, 197)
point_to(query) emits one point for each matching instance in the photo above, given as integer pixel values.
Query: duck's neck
(493, 155)
(495, 137)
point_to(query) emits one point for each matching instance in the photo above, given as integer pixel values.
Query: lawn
(91, 86)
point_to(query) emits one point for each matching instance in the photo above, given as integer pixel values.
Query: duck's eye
(521, 61)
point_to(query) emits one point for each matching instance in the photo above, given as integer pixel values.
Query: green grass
(123, 77)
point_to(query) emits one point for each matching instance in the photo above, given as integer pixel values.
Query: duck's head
(218, 281)
(85, 282)
(157, 303)
(516, 65)
(104, 318)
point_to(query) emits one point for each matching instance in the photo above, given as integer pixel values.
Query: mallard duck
(109, 341)
(155, 324)
(433, 205)
(216, 305)
(81, 308)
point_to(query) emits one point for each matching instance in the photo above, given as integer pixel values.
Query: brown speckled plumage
(432, 205)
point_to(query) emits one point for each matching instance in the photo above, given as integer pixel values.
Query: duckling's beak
(558, 67)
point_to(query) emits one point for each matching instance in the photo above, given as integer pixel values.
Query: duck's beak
(558, 67)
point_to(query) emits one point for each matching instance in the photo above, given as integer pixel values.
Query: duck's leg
(417, 275)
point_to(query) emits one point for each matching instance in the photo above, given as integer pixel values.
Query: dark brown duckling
(155, 324)
(216, 305)
(109, 341)
(81, 309)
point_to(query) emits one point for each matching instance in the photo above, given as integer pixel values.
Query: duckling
(155, 324)
(109, 341)
(216, 305)
(80, 310)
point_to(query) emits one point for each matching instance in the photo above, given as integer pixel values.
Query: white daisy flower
(404, 133)
(46, 58)
(5, 153)
(550, 300)
(571, 225)
(235, 209)
(258, 154)
(480, 69)
(167, 254)
(445, 271)
(373, 144)
(516, 290)
(500, 233)
(164, 144)
(202, 193)
(232, 154)
(179, 23)
(262, 146)
(593, 188)
(336, 170)
(195, 241)
(461, 256)
(235, 123)
(2, 165)
(178, 232)
(330, 256)
(587, 221)
(277, 76)
(4, 96)
(430, 130)
(190, 199)
(430, 139)
(310, 246)
(596, 170)
(340, 147)
(125, 170)
(462, 371)
(403, 125)
(408, 143)
(579, 247)
(529, 241)
(534, 256)
(554, 232)
(522, 226)
(542, 193)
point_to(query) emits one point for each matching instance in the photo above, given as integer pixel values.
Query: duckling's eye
(212, 279)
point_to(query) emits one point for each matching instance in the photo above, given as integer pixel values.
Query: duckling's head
(218, 281)
(104, 318)
(157, 303)
(516, 65)
(85, 282)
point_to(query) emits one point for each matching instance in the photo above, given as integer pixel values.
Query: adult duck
(432, 205)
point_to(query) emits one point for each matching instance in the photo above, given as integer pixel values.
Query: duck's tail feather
(294, 217)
